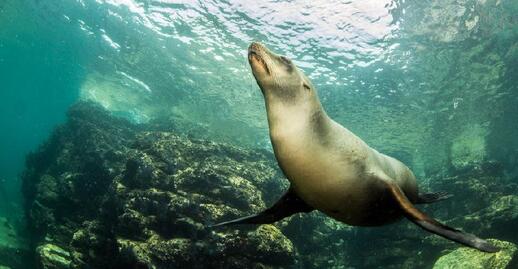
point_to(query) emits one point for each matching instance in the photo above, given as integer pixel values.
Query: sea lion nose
(255, 46)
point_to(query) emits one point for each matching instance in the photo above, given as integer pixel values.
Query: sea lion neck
(287, 121)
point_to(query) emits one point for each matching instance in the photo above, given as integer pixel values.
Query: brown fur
(329, 167)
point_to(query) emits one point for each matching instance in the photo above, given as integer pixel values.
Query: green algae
(467, 258)
(53, 257)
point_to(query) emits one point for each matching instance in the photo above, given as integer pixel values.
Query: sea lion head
(278, 77)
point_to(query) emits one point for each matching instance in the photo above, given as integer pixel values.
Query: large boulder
(468, 258)
(50, 256)
(103, 193)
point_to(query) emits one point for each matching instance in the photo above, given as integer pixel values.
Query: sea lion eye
(286, 60)
(287, 64)
(306, 86)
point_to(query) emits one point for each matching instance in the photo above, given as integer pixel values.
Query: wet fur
(329, 167)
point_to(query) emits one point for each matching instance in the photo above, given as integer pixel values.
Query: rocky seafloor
(104, 193)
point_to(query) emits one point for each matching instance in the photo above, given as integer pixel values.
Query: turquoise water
(433, 83)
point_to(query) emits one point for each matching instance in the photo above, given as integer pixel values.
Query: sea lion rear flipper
(431, 225)
(289, 204)
(427, 198)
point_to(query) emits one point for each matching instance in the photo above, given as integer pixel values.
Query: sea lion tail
(432, 225)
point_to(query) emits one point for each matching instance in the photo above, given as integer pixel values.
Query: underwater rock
(483, 202)
(113, 194)
(272, 245)
(14, 251)
(500, 218)
(50, 256)
(134, 254)
(467, 258)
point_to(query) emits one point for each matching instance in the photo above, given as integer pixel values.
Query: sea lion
(331, 169)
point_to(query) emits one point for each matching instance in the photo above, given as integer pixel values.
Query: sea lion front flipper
(289, 204)
(431, 225)
(432, 197)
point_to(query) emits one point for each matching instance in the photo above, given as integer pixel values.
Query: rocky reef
(471, 259)
(105, 193)
(14, 251)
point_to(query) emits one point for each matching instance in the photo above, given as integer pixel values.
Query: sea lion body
(328, 166)
(334, 171)
(331, 169)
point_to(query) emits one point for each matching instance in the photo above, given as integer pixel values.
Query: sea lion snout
(258, 56)
(276, 75)
(255, 46)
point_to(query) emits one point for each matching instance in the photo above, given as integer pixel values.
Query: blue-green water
(430, 82)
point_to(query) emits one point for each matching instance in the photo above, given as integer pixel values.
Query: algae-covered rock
(272, 245)
(47, 190)
(50, 256)
(134, 254)
(117, 195)
(14, 250)
(177, 251)
(468, 258)
(499, 218)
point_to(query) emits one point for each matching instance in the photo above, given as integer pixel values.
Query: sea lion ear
(306, 83)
